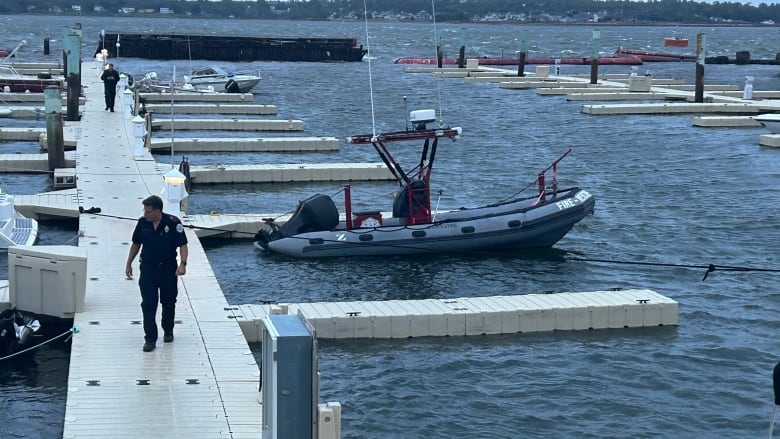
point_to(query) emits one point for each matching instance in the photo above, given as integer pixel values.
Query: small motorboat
(770, 121)
(316, 229)
(17, 331)
(15, 229)
(676, 42)
(11, 81)
(214, 78)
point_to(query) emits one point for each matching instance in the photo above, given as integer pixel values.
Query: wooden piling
(45, 46)
(699, 81)
(594, 70)
(521, 63)
(55, 142)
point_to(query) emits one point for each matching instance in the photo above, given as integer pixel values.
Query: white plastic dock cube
(483, 323)
(599, 317)
(529, 320)
(48, 279)
(542, 71)
(639, 83)
(563, 319)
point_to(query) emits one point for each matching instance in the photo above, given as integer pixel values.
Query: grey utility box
(288, 379)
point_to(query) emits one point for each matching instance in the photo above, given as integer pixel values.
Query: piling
(45, 46)
(521, 63)
(54, 138)
(439, 56)
(743, 57)
(72, 55)
(594, 60)
(699, 84)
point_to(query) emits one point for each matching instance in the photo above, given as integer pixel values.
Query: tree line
(530, 11)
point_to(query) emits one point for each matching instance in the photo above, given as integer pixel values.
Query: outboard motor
(231, 86)
(16, 331)
(314, 214)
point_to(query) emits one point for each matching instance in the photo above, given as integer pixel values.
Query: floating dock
(522, 313)
(203, 385)
(230, 47)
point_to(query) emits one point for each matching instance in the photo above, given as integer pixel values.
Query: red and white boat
(12, 81)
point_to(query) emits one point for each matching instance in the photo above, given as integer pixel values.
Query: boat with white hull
(214, 78)
(15, 229)
(770, 121)
(316, 230)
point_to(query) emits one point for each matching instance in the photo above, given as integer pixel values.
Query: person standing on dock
(157, 235)
(110, 78)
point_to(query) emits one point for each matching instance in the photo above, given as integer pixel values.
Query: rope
(709, 268)
(70, 332)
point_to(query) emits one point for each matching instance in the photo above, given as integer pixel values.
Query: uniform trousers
(158, 283)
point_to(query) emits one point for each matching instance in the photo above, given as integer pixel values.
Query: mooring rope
(70, 332)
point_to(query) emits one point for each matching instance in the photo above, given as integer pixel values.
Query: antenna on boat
(173, 82)
(370, 83)
(437, 44)
(406, 116)
(189, 51)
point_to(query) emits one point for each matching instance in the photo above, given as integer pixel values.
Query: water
(666, 193)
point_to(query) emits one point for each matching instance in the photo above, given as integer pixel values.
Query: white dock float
(472, 315)
(616, 96)
(57, 204)
(205, 383)
(214, 174)
(772, 140)
(229, 124)
(24, 134)
(670, 108)
(255, 144)
(27, 112)
(196, 97)
(31, 163)
(725, 122)
(525, 85)
(218, 108)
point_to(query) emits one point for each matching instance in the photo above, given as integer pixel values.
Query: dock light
(139, 136)
(174, 191)
(122, 81)
(127, 103)
(557, 66)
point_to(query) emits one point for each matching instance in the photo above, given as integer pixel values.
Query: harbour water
(667, 193)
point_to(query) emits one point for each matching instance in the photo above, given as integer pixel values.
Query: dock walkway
(205, 383)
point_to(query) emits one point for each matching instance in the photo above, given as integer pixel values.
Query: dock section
(523, 313)
(203, 385)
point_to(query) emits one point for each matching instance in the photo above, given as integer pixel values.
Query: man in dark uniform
(110, 78)
(157, 235)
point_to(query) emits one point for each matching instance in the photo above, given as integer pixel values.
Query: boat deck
(205, 383)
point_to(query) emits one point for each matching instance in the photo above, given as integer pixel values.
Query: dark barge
(230, 48)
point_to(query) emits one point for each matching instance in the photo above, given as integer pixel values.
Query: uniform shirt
(110, 78)
(159, 246)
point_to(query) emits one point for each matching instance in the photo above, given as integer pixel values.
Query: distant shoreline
(513, 23)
